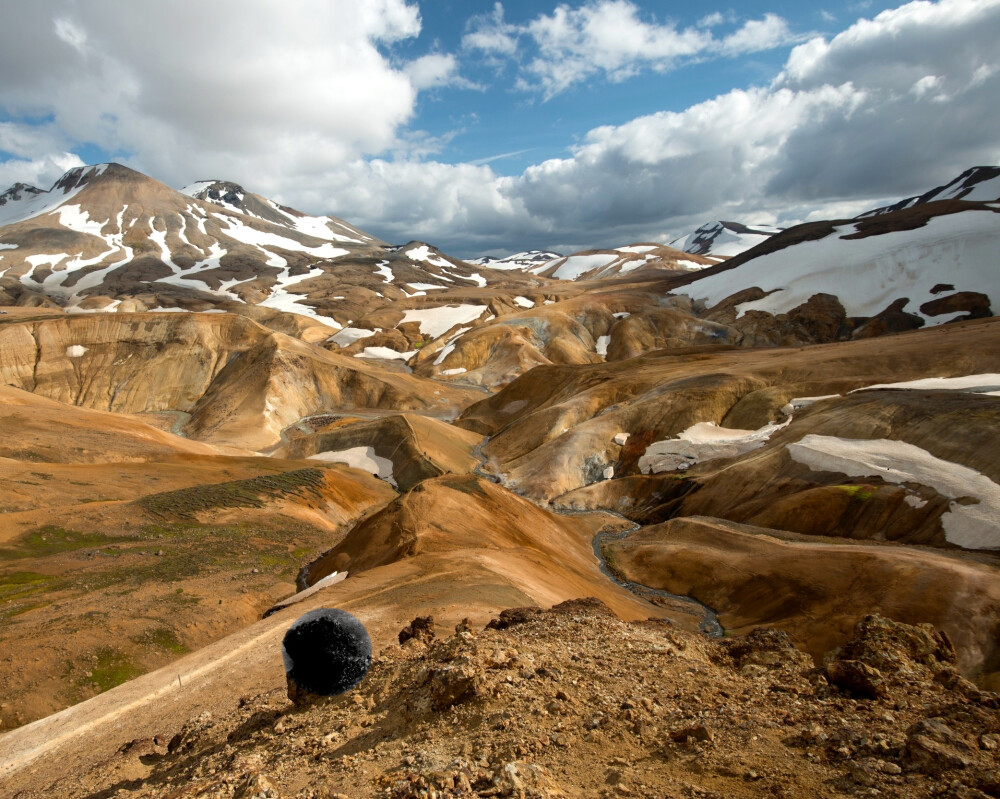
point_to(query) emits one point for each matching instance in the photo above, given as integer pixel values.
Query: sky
(494, 127)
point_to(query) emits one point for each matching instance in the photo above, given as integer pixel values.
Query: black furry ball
(326, 652)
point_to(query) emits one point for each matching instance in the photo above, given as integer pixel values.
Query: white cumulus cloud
(612, 40)
(847, 125)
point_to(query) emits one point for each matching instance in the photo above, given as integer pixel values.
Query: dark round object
(326, 651)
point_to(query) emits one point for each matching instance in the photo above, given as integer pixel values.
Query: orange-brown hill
(554, 429)
(240, 382)
(817, 589)
(417, 446)
(773, 487)
(464, 519)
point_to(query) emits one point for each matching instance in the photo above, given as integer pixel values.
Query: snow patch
(436, 322)
(460, 370)
(423, 253)
(524, 302)
(700, 442)
(385, 354)
(572, 267)
(75, 351)
(988, 383)
(974, 526)
(347, 336)
(602, 346)
(798, 403)
(75, 218)
(51, 260)
(446, 350)
(683, 263)
(422, 287)
(363, 458)
(256, 238)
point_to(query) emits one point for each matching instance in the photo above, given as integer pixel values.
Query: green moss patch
(51, 540)
(252, 493)
(112, 668)
(162, 638)
(861, 493)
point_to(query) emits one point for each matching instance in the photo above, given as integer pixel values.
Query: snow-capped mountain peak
(519, 260)
(721, 238)
(978, 184)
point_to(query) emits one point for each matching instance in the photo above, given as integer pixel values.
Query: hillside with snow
(978, 184)
(618, 262)
(519, 260)
(107, 238)
(925, 265)
(723, 239)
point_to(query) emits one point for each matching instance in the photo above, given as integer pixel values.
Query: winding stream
(709, 623)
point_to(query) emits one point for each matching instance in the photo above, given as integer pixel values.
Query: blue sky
(487, 127)
(500, 118)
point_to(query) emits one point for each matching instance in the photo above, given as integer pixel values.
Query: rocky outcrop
(568, 699)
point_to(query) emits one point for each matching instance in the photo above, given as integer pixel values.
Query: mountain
(978, 184)
(519, 260)
(926, 264)
(109, 238)
(598, 264)
(720, 239)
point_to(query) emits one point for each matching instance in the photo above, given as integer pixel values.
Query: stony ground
(573, 702)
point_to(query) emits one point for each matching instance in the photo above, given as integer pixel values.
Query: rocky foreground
(574, 702)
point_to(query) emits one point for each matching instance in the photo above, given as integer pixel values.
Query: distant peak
(17, 192)
(219, 192)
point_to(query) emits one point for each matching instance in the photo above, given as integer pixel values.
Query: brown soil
(575, 703)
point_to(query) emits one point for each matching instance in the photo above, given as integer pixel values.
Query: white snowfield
(320, 227)
(348, 335)
(988, 384)
(974, 384)
(571, 267)
(436, 322)
(701, 442)
(363, 458)
(986, 191)
(683, 263)
(975, 526)
(869, 274)
(282, 299)
(385, 354)
(257, 238)
(423, 253)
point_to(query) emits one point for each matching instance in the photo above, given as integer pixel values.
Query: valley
(210, 402)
